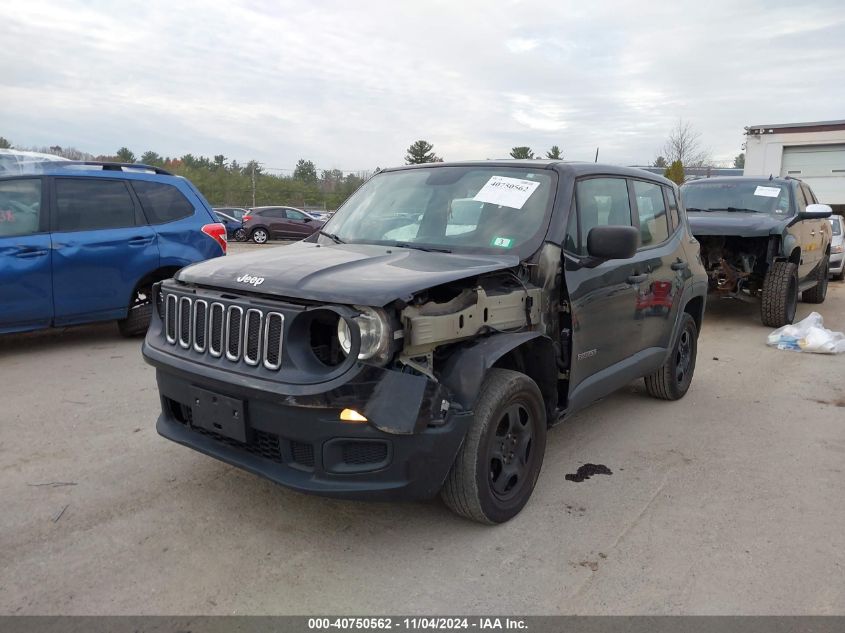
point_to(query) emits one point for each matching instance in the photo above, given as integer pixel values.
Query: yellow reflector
(351, 415)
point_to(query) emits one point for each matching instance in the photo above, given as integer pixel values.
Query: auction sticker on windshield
(508, 192)
(769, 192)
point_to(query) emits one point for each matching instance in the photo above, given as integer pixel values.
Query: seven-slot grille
(252, 336)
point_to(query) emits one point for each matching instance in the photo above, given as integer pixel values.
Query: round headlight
(375, 333)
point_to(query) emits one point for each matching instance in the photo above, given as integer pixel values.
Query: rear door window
(651, 210)
(20, 207)
(91, 204)
(161, 202)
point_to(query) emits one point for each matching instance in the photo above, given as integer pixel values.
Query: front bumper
(837, 263)
(301, 442)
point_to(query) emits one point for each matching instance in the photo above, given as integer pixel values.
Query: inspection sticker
(502, 242)
(769, 192)
(508, 192)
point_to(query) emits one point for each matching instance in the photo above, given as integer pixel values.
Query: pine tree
(675, 172)
(421, 152)
(554, 153)
(522, 152)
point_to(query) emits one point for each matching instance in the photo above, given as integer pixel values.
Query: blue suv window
(20, 207)
(162, 203)
(91, 204)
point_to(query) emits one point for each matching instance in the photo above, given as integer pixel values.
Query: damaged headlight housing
(375, 334)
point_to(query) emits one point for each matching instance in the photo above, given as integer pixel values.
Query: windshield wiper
(427, 249)
(331, 236)
(734, 210)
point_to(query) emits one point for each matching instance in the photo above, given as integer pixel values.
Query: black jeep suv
(428, 335)
(765, 238)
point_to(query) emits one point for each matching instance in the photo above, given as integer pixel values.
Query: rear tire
(239, 235)
(497, 466)
(817, 293)
(259, 236)
(780, 294)
(673, 379)
(137, 320)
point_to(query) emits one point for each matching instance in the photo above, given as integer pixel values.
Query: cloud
(350, 86)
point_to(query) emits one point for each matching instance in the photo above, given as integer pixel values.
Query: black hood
(362, 274)
(736, 223)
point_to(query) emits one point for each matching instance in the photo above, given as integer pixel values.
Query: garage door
(814, 161)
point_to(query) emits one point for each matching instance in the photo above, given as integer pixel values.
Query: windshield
(744, 196)
(449, 208)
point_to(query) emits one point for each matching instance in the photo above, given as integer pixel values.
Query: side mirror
(307, 219)
(613, 242)
(816, 212)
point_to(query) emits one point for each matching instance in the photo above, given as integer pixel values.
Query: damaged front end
(736, 266)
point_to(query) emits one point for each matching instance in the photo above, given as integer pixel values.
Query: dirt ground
(728, 501)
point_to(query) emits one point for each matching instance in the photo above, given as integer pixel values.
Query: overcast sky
(350, 85)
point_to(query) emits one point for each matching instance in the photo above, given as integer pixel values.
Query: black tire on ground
(495, 470)
(239, 235)
(673, 379)
(137, 321)
(260, 236)
(780, 294)
(817, 293)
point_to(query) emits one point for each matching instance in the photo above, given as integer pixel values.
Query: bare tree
(684, 144)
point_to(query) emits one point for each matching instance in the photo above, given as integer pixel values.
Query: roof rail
(110, 166)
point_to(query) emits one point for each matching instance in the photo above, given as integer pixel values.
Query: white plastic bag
(808, 335)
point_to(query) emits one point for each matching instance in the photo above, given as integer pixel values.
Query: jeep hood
(736, 223)
(363, 274)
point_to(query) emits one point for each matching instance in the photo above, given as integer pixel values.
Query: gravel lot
(729, 501)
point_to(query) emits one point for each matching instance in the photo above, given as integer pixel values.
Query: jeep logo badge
(249, 279)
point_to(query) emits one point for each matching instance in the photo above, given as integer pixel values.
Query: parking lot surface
(728, 501)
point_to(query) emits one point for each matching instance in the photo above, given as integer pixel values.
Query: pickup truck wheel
(673, 379)
(780, 294)
(140, 311)
(817, 293)
(496, 468)
(259, 236)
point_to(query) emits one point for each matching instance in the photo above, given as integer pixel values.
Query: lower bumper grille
(260, 443)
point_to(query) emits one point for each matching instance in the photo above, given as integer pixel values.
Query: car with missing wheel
(427, 337)
(82, 242)
(765, 239)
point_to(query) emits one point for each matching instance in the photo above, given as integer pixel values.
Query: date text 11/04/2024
(416, 623)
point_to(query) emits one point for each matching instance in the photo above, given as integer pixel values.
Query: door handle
(29, 254)
(679, 265)
(637, 279)
(813, 232)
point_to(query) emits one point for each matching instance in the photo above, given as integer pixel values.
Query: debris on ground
(808, 335)
(54, 484)
(59, 514)
(588, 470)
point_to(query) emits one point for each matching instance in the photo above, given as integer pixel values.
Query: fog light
(351, 415)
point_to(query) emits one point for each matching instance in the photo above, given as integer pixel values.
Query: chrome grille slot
(200, 325)
(185, 322)
(170, 319)
(274, 324)
(252, 337)
(234, 328)
(215, 329)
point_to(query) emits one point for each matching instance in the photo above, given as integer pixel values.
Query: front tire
(497, 467)
(817, 293)
(673, 379)
(780, 294)
(259, 236)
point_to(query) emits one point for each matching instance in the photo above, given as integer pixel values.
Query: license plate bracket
(219, 414)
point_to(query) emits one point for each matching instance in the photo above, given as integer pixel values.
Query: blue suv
(83, 242)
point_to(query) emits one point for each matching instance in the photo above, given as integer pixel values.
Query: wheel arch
(695, 308)
(159, 274)
(530, 353)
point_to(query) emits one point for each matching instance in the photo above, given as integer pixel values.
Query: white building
(813, 152)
